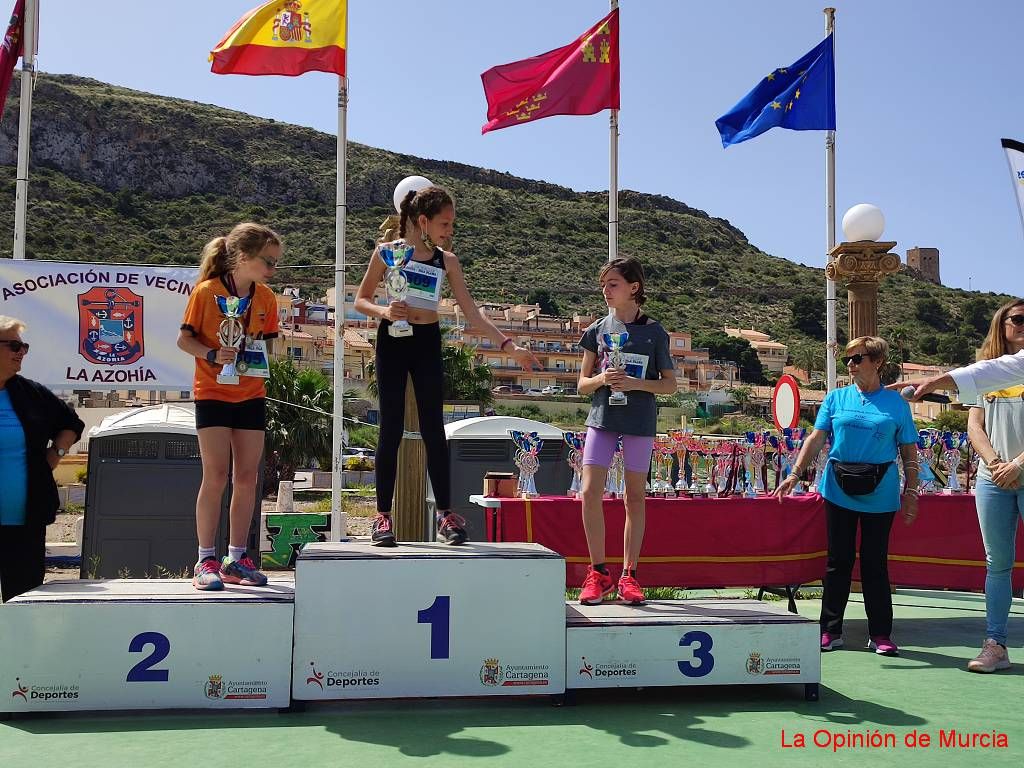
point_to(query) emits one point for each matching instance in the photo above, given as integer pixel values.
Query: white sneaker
(993, 656)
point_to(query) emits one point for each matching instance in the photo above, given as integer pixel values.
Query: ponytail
(214, 262)
(406, 211)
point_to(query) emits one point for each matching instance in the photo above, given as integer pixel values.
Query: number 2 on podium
(438, 616)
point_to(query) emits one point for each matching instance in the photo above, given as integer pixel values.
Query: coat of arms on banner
(110, 326)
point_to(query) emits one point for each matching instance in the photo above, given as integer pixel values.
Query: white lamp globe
(407, 185)
(863, 222)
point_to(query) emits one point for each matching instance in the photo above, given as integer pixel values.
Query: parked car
(502, 389)
(553, 391)
(365, 454)
(534, 392)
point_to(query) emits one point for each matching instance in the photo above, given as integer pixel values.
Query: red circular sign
(786, 402)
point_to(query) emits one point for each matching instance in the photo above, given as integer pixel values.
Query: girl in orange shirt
(230, 418)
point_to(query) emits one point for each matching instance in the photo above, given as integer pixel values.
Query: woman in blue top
(36, 431)
(861, 486)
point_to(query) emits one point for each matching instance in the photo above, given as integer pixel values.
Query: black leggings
(418, 355)
(874, 568)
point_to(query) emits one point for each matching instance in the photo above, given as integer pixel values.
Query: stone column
(861, 265)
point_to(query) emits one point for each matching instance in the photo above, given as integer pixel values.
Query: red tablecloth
(739, 542)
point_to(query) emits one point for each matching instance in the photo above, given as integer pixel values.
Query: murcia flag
(11, 49)
(580, 78)
(285, 37)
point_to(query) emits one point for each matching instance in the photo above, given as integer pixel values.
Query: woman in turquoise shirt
(36, 430)
(861, 487)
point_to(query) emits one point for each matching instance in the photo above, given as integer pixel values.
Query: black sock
(601, 568)
(631, 572)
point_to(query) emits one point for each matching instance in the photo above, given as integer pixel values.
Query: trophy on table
(528, 445)
(792, 441)
(395, 256)
(755, 454)
(232, 334)
(575, 441)
(819, 467)
(952, 442)
(614, 335)
(927, 482)
(679, 438)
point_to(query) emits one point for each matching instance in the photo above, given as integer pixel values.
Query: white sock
(205, 552)
(236, 553)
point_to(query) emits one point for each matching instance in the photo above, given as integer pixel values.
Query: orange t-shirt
(203, 319)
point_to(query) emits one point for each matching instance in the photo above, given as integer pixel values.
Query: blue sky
(924, 93)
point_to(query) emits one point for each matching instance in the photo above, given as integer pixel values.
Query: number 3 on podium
(438, 616)
(701, 654)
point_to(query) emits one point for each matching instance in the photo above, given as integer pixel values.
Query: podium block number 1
(438, 616)
(143, 672)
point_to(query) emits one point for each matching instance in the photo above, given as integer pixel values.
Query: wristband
(1018, 462)
(506, 341)
(211, 356)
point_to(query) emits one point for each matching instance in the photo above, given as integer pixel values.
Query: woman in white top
(996, 429)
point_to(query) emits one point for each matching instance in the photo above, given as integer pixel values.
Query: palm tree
(808, 357)
(297, 435)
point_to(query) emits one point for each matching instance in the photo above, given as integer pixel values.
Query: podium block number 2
(143, 672)
(438, 616)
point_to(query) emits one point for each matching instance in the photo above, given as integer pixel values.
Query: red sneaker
(595, 587)
(630, 590)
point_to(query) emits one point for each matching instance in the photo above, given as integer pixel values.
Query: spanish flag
(285, 37)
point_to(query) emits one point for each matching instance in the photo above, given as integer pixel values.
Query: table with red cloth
(743, 542)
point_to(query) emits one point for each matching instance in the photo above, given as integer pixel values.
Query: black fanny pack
(856, 479)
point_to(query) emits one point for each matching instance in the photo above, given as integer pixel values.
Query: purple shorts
(601, 444)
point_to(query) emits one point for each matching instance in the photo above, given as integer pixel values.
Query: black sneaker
(382, 534)
(451, 529)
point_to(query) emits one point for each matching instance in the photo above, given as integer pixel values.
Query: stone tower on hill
(925, 261)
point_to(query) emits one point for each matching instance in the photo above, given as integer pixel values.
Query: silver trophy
(575, 441)
(395, 256)
(231, 334)
(951, 456)
(614, 335)
(528, 445)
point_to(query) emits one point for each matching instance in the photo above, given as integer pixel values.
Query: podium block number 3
(701, 644)
(143, 672)
(438, 616)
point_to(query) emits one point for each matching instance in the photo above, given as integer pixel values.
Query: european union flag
(801, 97)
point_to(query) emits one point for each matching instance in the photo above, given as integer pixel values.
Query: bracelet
(911, 492)
(1018, 462)
(507, 340)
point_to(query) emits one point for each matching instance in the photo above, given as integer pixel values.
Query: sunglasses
(856, 359)
(16, 346)
(1017, 320)
(271, 263)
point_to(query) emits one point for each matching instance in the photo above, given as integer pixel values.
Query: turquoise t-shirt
(13, 466)
(866, 428)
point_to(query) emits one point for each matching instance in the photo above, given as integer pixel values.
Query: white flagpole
(24, 125)
(613, 175)
(338, 517)
(830, 229)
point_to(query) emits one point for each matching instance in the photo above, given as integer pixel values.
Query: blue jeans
(998, 512)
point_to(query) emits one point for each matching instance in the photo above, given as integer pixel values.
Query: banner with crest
(97, 326)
